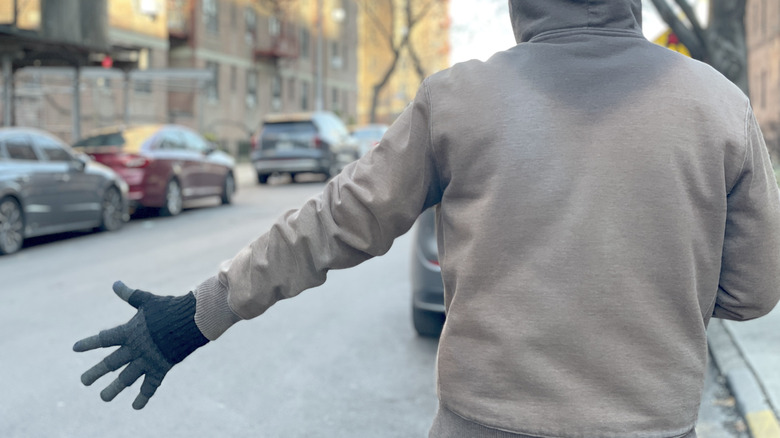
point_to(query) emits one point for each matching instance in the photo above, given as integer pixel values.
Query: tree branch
(686, 36)
(690, 14)
(380, 25)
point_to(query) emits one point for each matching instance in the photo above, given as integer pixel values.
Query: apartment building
(762, 24)
(263, 56)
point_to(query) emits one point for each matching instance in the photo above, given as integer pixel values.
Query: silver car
(427, 284)
(315, 142)
(46, 188)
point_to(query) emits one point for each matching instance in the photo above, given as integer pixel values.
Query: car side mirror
(79, 163)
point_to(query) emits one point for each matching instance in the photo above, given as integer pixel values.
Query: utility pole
(318, 104)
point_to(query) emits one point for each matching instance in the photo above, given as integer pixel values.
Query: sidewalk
(748, 356)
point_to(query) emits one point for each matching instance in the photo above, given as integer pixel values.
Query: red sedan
(163, 165)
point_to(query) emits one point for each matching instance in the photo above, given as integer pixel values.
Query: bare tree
(721, 43)
(397, 38)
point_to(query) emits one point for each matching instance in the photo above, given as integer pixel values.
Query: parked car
(427, 285)
(317, 142)
(368, 136)
(46, 188)
(164, 165)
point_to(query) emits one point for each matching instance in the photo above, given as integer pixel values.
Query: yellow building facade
(429, 40)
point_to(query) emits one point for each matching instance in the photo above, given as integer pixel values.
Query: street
(341, 360)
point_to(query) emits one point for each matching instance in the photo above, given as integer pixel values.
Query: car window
(170, 139)
(194, 141)
(20, 148)
(298, 128)
(110, 139)
(51, 149)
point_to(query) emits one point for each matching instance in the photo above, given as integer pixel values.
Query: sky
(481, 27)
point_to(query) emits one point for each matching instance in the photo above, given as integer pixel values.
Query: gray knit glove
(160, 335)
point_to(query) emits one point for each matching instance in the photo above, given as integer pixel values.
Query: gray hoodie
(599, 197)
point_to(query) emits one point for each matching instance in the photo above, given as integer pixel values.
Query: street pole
(8, 77)
(126, 99)
(318, 104)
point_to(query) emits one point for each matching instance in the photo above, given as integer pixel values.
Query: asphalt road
(341, 360)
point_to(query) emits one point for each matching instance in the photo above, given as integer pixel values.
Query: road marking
(763, 424)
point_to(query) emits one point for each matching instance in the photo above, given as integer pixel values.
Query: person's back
(588, 177)
(599, 199)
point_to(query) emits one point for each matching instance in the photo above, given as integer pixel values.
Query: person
(598, 199)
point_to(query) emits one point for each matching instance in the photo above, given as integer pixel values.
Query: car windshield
(298, 128)
(110, 139)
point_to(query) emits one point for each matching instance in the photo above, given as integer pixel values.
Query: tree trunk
(721, 44)
(727, 47)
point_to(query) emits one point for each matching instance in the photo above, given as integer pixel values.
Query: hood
(533, 17)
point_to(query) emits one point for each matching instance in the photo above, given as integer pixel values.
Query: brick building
(762, 23)
(261, 55)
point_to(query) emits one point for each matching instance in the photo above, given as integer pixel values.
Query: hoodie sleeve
(750, 268)
(356, 217)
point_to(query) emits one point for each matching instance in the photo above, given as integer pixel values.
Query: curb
(750, 397)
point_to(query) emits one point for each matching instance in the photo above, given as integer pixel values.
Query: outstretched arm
(357, 216)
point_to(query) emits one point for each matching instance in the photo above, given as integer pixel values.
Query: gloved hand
(160, 335)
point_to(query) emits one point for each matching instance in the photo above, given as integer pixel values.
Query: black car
(46, 188)
(317, 142)
(427, 284)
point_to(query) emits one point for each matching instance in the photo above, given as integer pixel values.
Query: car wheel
(11, 226)
(262, 178)
(112, 212)
(427, 323)
(228, 188)
(173, 199)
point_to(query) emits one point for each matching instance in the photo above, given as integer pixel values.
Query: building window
(763, 90)
(276, 93)
(251, 89)
(212, 88)
(233, 78)
(764, 13)
(274, 26)
(211, 15)
(335, 57)
(144, 63)
(335, 99)
(304, 95)
(250, 33)
(305, 43)
(291, 88)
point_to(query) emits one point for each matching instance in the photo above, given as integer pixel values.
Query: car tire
(173, 199)
(427, 324)
(112, 213)
(11, 226)
(228, 188)
(262, 178)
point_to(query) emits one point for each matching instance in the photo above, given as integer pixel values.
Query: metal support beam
(76, 112)
(126, 99)
(8, 90)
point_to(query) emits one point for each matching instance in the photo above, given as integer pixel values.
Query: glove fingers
(112, 362)
(148, 388)
(134, 297)
(106, 338)
(126, 378)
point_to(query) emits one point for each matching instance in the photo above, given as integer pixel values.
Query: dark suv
(317, 142)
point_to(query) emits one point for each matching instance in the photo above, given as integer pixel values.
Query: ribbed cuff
(212, 312)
